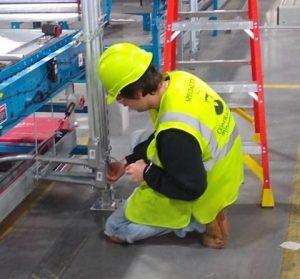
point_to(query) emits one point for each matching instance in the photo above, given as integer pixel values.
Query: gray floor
(61, 238)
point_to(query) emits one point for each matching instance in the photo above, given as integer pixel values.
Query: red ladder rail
(259, 107)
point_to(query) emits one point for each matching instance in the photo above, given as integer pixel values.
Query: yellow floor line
(290, 267)
(282, 86)
(8, 224)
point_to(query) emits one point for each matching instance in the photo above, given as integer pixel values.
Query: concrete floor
(59, 237)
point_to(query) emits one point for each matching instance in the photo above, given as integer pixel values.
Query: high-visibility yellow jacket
(192, 106)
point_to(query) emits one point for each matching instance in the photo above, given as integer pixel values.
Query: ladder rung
(233, 87)
(194, 63)
(251, 148)
(239, 104)
(187, 25)
(187, 15)
(241, 100)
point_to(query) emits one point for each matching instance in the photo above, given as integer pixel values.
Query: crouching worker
(190, 169)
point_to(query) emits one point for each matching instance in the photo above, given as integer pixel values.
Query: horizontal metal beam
(41, 158)
(280, 27)
(195, 63)
(251, 148)
(210, 13)
(11, 57)
(31, 17)
(187, 25)
(244, 103)
(39, 8)
(83, 181)
(234, 87)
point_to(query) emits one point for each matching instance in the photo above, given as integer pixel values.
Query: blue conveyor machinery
(34, 72)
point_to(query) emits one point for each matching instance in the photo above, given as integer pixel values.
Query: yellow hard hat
(120, 65)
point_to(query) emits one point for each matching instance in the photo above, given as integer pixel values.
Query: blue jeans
(118, 226)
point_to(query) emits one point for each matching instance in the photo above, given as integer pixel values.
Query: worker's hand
(135, 171)
(115, 171)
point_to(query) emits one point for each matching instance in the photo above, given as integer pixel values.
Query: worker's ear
(139, 94)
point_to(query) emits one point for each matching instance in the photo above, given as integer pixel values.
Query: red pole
(257, 76)
(169, 55)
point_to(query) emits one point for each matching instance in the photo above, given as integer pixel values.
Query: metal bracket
(249, 33)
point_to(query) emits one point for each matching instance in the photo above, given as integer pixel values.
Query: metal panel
(289, 12)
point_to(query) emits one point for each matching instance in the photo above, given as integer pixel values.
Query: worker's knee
(110, 226)
(118, 226)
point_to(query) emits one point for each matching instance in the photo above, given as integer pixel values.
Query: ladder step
(195, 63)
(238, 103)
(251, 148)
(234, 87)
(241, 100)
(188, 15)
(197, 25)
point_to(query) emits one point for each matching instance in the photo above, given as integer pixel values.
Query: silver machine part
(11, 57)
(28, 11)
(98, 148)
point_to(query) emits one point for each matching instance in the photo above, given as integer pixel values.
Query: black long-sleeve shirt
(183, 176)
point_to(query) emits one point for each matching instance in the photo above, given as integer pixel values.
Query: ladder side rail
(169, 61)
(257, 75)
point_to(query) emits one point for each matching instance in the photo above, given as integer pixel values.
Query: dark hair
(147, 83)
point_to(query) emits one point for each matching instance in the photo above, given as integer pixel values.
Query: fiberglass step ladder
(174, 26)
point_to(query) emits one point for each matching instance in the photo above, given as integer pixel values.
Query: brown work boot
(217, 232)
(223, 224)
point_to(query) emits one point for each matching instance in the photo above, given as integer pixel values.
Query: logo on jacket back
(218, 105)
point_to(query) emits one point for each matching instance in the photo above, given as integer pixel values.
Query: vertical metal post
(146, 21)
(98, 150)
(156, 43)
(180, 37)
(106, 9)
(193, 34)
(215, 7)
(71, 98)
(15, 25)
